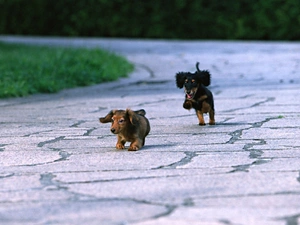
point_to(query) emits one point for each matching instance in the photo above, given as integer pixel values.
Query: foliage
(27, 69)
(185, 19)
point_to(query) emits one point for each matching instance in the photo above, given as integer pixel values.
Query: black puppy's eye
(193, 81)
(186, 81)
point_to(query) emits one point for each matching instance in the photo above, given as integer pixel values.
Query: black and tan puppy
(197, 96)
(129, 126)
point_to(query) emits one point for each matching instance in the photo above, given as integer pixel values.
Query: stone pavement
(59, 164)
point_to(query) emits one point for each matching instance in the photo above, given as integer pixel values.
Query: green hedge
(176, 19)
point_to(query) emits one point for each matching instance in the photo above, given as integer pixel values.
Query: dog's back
(144, 122)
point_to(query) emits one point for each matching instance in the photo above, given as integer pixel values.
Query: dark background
(173, 19)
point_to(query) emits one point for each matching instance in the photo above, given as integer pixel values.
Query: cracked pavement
(59, 165)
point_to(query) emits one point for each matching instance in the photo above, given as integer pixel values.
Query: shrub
(176, 19)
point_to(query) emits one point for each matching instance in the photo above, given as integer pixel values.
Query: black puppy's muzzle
(190, 89)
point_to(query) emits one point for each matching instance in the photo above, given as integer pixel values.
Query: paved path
(59, 165)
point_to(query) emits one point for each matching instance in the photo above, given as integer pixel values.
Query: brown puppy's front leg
(120, 144)
(135, 145)
(200, 118)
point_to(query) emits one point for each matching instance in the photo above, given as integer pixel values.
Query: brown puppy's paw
(120, 146)
(133, 148)
(202, 124)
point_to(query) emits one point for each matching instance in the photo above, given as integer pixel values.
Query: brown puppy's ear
(133, 118)
(141, 112)
(203, 77)
(107, 118)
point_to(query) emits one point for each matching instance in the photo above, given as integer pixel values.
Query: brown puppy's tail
(141, 112)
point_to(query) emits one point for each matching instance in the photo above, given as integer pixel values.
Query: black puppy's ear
(180, 78)
(203, 77)
(133, 118)
(141, 112)
(108, 117)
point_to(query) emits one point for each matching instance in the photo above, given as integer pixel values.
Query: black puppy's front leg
(188, 104)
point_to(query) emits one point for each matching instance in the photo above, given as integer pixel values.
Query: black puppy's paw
(187, 104)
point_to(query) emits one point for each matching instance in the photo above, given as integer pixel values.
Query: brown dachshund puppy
(128, 125)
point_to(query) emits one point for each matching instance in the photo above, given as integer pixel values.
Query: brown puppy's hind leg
(135, 145)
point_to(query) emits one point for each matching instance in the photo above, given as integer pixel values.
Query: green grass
(26, 70)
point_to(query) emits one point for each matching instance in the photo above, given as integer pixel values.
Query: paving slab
(59, 165)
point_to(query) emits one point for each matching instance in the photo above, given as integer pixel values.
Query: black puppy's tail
(197, 66)
(203, 76)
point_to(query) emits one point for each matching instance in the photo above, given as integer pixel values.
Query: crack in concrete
(46, 179)
(147, 68)
(6, 175)
(98, 110)
(270, 99)
(236, 135)
(89, 131)
(37, 133)
(64, 156)
(153, 82)
(185, 160)
(227, 222)
(290, 220)
(188, 202)
(246, 96)
(170, 209)
(47, 182)
(116, 180)
(41, 144)
(78, 123)
(251, 195)
(245, 167)
(252, 106)
(254, 153)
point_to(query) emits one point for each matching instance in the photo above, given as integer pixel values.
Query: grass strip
(26, 70)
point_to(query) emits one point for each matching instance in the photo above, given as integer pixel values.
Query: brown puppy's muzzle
(113, 130)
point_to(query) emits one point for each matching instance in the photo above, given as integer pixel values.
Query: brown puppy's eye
(121, 121)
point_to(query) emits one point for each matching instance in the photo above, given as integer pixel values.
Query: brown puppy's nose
(113, 130)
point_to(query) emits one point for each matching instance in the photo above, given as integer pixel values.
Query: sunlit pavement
(59, 165)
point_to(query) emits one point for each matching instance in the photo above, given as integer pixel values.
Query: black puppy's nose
(113, 130)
